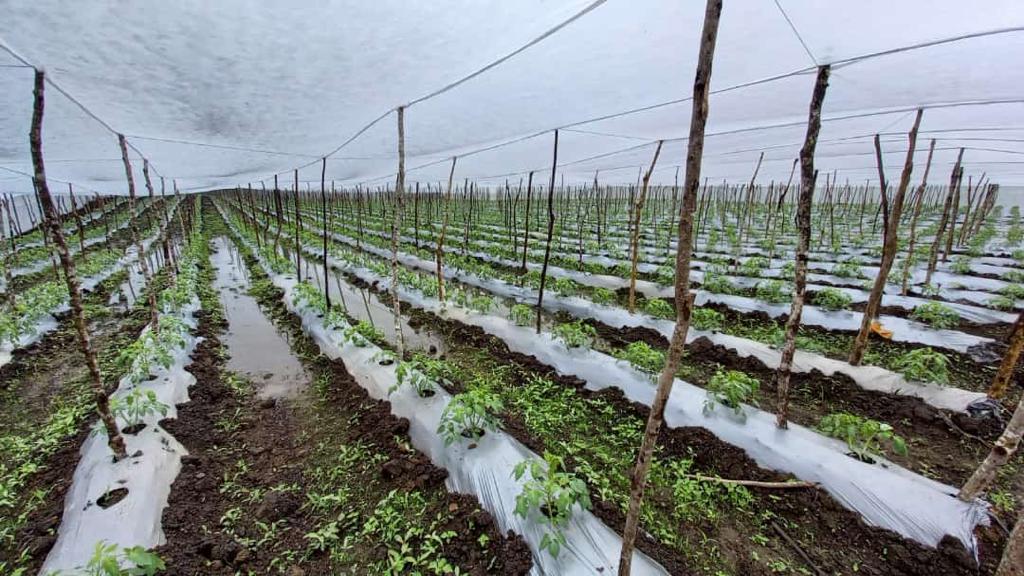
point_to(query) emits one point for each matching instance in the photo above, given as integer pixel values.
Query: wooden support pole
(808, 178)
(323, 203)
(154, 317)
(634, 243)
(908, 263)
(444, 229)
(551, 229)
(396, 229)
(114, 439)
(683, 296)
(890, 241)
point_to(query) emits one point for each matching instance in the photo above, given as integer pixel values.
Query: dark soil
(277, 441)
(833, 537)
(40, 375)
(941, 443)
(965, 372)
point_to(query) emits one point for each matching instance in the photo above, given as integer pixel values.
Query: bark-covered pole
(114, 439)
(634, 244)
(444, 229)
(154, 318)
(278, 207)
(323, 203)
(526, 226)
(954, 183)
(918, 201)
(9, 295)
(890, 240)
(954, 212)
(1001, 381)
(78, 221)
(684, 298)
(551, 229)
(1012, 563)
(808, 176)
(396, 227)
(168, 254)
(1003, 449)
(298, 230)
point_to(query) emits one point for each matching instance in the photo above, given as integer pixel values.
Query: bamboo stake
(1007, 444)
(754, 483)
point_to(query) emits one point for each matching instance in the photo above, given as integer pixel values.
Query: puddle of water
(257, 350)
(128, 292)
(362, 304)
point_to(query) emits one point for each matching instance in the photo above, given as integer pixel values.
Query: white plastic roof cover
(220, 93)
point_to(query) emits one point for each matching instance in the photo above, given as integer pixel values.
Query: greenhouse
(582, 287)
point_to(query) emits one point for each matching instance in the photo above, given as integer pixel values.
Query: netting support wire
(551, 31)
(220, 146)
(709, 135)
(30, 176)
(49, 80)
(796, 33)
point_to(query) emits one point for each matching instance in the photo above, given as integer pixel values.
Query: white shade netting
(227, 94)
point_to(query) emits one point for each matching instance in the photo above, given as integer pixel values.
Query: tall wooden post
(808, 178)
(918, 201)
(323, 202)
(396, 229)
(114, 439)
(947, 207)
(890, 240)
(551, 229)
(154, 318)
(526, 226)
(684, 298)
(634, 248)
(440, 238)
(298, 230)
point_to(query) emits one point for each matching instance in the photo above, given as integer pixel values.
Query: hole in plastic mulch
(111, 497)
(134, 428)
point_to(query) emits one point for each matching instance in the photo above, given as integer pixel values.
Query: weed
(923, 365)
(731, 388)
(576, 334)
(862, 435)
(706, 319)
(832, 299)
(936, 315)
